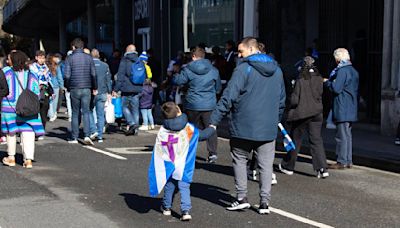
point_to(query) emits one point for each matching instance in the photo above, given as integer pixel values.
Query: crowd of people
(201, 88)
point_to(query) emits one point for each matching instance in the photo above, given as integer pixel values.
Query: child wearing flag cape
(173, 159)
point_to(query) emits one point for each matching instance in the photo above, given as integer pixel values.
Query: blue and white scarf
(341, 64)
(42, 72)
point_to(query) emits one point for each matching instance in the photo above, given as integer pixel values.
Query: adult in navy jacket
(204, 83)
(255, 97)
(130, 92)
(80, 80)
(344, 85)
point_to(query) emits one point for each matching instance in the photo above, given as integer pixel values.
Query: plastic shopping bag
(110, 112)
(117, 102)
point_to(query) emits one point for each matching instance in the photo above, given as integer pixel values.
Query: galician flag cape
(174, 155)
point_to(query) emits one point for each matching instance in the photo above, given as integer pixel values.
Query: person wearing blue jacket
(130, 92)
(203, 82)
(255, 98)
(57, 82)
(344, 85)
(80, 81)
(104, 89)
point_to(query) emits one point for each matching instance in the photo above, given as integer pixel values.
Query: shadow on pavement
(64, 135)
(220, 169)
(213, 194)
(142, 204)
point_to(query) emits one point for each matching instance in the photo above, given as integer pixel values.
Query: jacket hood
(264, 64)
(200, 67)
(176, 124)
(132, 56)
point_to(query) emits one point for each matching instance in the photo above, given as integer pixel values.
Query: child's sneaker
(186, 216)
(166, 211)
(239, 204)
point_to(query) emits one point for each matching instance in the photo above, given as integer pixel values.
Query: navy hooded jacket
(204, 84)
(255, 96)
(123, 82)
(345, 88)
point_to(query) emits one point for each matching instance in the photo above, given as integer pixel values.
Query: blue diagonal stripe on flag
(287, 141)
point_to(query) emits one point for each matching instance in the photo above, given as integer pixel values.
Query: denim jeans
(54, 103)
(99, 103)
(147, 116)
(344, 143)
(184, 189)
(80, 100)
(68, 101)
(130, 108)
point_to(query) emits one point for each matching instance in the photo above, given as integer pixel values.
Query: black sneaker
(263, 209)
(212, 159)
(322, 173)
(133, 130)
(186, 216)
(166, 211)
(239, 205)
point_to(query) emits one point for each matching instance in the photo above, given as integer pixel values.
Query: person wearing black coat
(305, 115)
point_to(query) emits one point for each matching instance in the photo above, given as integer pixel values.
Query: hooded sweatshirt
(255, 97)
(204, 83)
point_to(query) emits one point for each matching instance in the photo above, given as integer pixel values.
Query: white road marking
(299, 218)
(105, 152)
(131, 150)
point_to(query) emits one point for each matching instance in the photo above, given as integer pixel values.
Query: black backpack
(28, 102)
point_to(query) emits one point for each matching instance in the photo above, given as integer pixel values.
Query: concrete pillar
(250, 18)
(62, 33)
(91, 15)
(390, 97)
(117, 40)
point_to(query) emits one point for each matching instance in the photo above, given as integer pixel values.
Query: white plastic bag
(109, 110)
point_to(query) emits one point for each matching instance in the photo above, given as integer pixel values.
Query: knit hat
(143, 57)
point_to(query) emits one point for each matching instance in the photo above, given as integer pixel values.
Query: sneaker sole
(186, 218)
(239, 207)
(8, 164)
(263, 211)
(287, 172)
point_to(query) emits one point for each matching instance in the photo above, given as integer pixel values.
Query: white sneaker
(397, 141)
(52, 119)
(40, 138)
(144, 128)
(88, 141)
(152, 127)
(72, 141)
(285, 171)
(94, 136)
(274, 180)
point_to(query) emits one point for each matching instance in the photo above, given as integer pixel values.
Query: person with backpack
(130, 79)
(204, 83)
(22, 85)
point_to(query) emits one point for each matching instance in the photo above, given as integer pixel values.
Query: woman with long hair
(305, 116)
(56, 82)
(18, 79)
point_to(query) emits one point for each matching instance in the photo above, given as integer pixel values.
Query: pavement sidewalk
(370, 148)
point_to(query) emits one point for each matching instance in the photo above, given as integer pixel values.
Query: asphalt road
(74, 186)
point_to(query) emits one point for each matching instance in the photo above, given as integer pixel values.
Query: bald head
(131, 48)
(95, 53)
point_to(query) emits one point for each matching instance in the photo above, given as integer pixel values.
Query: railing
(12, 7)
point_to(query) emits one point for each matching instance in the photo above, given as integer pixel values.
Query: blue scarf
(342, 63)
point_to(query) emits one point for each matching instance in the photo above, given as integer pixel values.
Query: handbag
(28, 104)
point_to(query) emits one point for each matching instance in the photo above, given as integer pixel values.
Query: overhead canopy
(41, 17)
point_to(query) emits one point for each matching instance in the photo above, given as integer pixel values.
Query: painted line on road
(131, 150)
(105, 153)
(299, 218)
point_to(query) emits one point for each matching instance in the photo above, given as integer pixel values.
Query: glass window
(210, 21)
